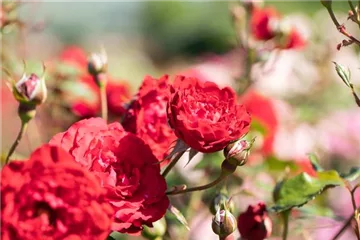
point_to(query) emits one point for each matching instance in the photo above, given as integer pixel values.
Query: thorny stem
(199, 188)
(17, 140)
(339, 26)
(357, 228)
(172, 163)
(344, 227)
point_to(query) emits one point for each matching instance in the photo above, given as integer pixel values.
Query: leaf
(116, 236)
(179, 216)
(352, 175)
(343, 74)
(297, 191)
(315, 162)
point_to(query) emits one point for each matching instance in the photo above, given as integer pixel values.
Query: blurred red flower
(147, 117)
(262, 22)
(254, 224)
(262, 110)
(118, 92)
(125, 166)
(50, 196)
(294, 40)
(204, 116)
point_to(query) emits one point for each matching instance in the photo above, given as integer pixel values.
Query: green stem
(17, 140)
(285, 216)
(172, 163)
(199, 188)
(104, 108)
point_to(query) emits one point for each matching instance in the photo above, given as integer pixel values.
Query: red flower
(261, 22)
(147, 116)
(52, 197)
(75, 56)
(262, 110)
(118, 93)
(126, 167)
(294, 40)
(254, 224)
(204, 116)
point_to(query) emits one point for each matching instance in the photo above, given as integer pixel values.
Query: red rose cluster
(265, 25)
(125, 166)
(50, 196)
(204, 116)
(118, 92)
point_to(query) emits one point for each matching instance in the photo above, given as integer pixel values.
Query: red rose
(204, 116)
(126, 167)
(75, 56)
(261, 22)
(254, 224)
(52, 197)
(294, 40)
(263, 111)
(147, 116)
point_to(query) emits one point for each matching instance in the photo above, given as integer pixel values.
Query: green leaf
(116, 236)
(315, 162)
(297, 191)
(179, 216)
(352, 175)
(343, 74)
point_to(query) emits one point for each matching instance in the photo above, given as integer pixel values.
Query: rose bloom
(262, 110)
(147, 118)
(204, 116)
(125, 166)
(50, 196)
(254, 224)
(263, 21)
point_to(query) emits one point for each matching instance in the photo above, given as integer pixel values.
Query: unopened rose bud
(97, 63)
(156, 232)
(223, 223)
(255, 223)
(237, 152)
(219, 200)
(30, 90)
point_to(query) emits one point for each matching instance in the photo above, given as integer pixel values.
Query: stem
(340, 27)
(357, 227)
(104, 108)
(344, 227)
(172, 163)
(17, 140)
(285, 216)
(199, 188)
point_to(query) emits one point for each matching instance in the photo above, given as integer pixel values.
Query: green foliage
(297, 191)
(352, 175)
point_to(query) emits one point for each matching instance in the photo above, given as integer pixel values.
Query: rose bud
(97, 63)
(219, 200)
(237, 152)
(223, 223)
(30, 90)
(254, 224)
(157, 231)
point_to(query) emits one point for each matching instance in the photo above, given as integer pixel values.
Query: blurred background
(315, 111)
